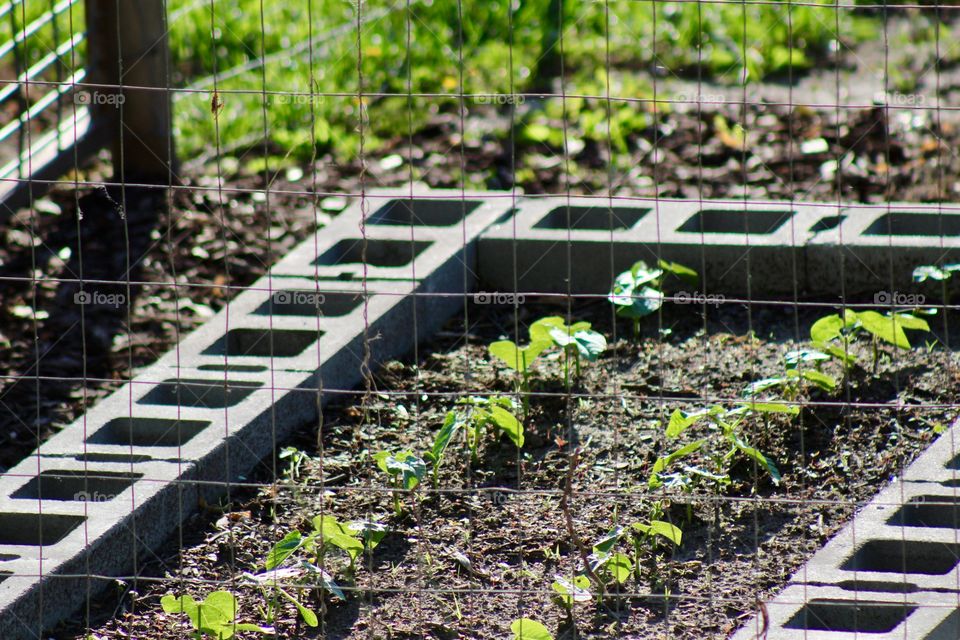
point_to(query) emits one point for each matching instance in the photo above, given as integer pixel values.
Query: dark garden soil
(190, 254)
(466, 560)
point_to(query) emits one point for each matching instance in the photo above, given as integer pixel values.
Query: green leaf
(822, 380)
(826, 328)
(666, 530)
(507, 423)
(283, 550)
(884, 328)
(245, 626)
(609, 541)
(371, 533)
(680, 421)
(540, 330)
(761, 459)
(570, 591)
(793, 358)
(325, 579)
(338, 535)
(772, 407)
(620, 567)
(631, 295)
(912, 322)
(590, 344)
(644, 303)
(450, 426)
(684, 273)
(641, 274)
(308, 615)
(182, 604)
(764, 384)
(932, 272)
(845, 357)
(665, 461)
(405, 464)
(516, 358)
(527, 629)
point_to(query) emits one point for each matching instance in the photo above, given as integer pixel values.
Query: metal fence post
(129, 96)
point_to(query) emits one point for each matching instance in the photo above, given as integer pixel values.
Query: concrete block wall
(121, 478)
(762, 250)
(892, 572)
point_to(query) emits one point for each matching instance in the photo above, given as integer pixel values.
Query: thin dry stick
(571, 531)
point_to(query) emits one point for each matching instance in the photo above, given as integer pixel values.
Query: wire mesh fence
(551, 318)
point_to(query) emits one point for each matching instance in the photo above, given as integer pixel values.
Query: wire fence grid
(663, 468)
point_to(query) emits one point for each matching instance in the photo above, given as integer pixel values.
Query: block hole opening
(296, 302)
(426, 212)
(827, 223)
(878, 586)
(208, 394)
(36, 529)
(121, 458)
(76, 485)
(148, 432)
(592, 218)
(751, 221)
(263, 343)
(380, 253)
(914, 224)
(939, 512)
(903, 556)
(861, 616)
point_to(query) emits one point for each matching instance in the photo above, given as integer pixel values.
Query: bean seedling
(577, 340)
(215, 617)
(405, 469)
(484, 414)
(834, 333)
(527, 629)
(720, 449)
(797, 375)
(435, 455)
(638, 292)
(310, 552)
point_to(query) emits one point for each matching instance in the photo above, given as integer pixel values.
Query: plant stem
(397, 506)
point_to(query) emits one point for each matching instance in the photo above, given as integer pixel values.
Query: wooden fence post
(127, 47)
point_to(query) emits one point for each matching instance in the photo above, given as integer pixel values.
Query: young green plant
(638, 292)
(495, 413)
(834, 334)
(578, 340)
(405, 469)
(215, 617)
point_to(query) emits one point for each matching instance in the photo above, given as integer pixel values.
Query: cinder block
(756, 249)
(875, 248)
(400, 238)
(121, 478)
(832, 613)
(578, 245)
(908, 534)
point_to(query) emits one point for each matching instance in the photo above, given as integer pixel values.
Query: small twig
(571, 531)
(764, 622)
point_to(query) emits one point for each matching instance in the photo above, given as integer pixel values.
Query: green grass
(494, 47)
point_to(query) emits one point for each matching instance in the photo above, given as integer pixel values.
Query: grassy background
(289, 73)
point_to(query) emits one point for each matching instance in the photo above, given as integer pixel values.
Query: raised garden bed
(485, 547)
